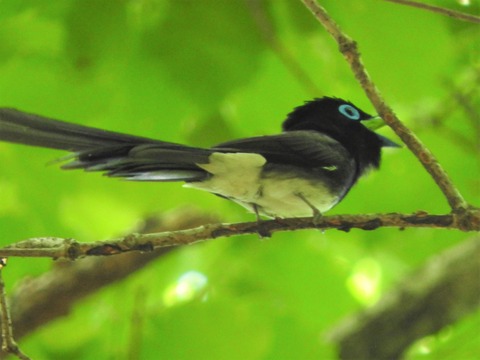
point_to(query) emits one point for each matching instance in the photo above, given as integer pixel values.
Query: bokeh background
(202, 72)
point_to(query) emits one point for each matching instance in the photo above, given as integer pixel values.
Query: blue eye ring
(349, 111)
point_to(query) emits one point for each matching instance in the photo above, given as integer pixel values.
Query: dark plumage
(324, 148)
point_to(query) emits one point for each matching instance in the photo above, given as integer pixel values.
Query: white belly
(283, 198)
(238, 176)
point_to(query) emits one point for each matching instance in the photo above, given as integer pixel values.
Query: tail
(116, 154)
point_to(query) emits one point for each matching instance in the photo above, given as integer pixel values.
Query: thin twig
(8, 343)
(461, 95)
(68, 248)
(260, 16)
(137, 321)
(439, 10)
(348, 47)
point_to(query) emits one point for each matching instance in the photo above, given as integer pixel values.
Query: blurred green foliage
(201, 72)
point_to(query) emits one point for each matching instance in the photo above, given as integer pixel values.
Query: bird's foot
(317, 215)
(262, 230)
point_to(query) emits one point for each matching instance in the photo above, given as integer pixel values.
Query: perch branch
(53, 294)
(348, 48)
(469, 220)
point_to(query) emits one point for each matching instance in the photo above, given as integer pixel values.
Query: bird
(325, 146)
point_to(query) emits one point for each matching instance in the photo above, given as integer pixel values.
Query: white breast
(238, 176)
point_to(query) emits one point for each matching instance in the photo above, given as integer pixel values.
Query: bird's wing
(143, 162)
(171, 162)
(298, 148)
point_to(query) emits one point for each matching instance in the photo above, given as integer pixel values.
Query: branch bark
(468, 220)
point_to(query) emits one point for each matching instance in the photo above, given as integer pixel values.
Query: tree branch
(439, 10)
(9, 345)
(468, 220)
(443, 291)
(53, 294)
(348, 48)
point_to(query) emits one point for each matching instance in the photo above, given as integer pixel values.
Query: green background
(202, 72)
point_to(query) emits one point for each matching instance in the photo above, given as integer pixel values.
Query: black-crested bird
(325, 146)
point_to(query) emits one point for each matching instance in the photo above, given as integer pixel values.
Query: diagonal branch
(441, 292)
(267, 32)
(348, 48)
(439, 10)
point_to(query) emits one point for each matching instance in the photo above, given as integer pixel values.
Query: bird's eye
(349, 111)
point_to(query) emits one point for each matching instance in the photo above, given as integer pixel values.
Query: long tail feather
(116, 154)
(29, 129)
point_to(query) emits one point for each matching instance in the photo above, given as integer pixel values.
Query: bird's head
(344, 122)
